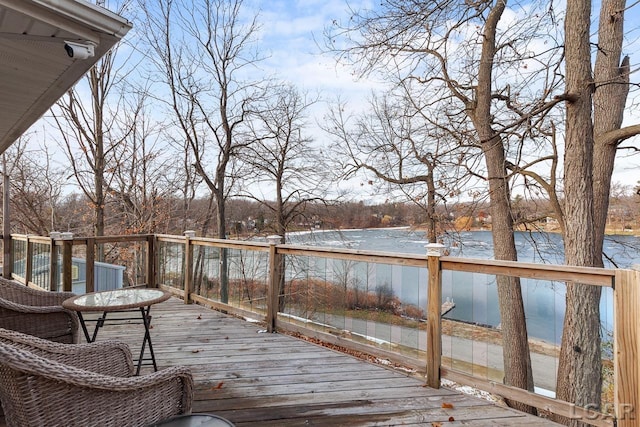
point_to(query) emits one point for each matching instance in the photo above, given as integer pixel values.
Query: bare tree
(35, 187)
(479, 74)
(204, 53)
(283, 161)
(393, 142)
(146, 179)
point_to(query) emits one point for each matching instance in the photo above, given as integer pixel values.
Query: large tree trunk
(609, 99)
(516, 356)
(580, 360)
(222, 234)
(589, 160)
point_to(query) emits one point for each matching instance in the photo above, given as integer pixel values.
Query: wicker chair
(39, 391)
(37, 313)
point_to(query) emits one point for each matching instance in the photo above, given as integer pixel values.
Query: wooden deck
(254, 378)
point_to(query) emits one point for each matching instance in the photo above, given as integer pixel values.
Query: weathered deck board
(255, 378)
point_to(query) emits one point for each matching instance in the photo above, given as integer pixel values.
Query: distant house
(106, 276)
(483, 218)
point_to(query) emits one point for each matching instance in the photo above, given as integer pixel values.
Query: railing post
(626, 347)
(7, 259)
(91, 265)
(28, 270)
(67, 262)
(188, 265)
(7, 264)
(434, 313)
(273, 290)
(54, 274)
(151, 261)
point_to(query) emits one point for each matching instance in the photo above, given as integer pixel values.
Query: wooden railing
(190, 268)
(47, 262)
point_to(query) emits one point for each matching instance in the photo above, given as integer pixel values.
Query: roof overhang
(35, 68)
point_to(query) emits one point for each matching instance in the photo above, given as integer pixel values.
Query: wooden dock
(255, 378)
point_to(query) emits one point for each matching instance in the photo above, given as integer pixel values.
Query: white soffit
(35, 70)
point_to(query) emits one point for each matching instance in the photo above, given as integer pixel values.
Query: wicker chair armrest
(91, 380)
(17, 292)
(44, 298)
(26, 308)
(35, 320)
(105, 357)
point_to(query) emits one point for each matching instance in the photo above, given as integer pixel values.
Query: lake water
(474, 294)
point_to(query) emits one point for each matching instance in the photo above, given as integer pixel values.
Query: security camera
(77, 50)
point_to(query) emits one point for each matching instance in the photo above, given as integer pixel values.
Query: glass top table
(116, 300)
(119, 300)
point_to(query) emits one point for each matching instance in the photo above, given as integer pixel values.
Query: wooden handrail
(560, 273)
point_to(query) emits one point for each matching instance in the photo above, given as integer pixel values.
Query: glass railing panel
(247, 276)
(170, 264)
(41, 265)
(120, 264)
(607, 330)
(470, 324)
(206, 267)
(248, 279)
(473, 330)
(19, 257)
(373, 303)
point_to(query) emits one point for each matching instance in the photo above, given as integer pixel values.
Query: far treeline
(32, 214)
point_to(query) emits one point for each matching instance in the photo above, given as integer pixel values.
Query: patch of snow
(343, 332)
(471, 391)
(372, 339)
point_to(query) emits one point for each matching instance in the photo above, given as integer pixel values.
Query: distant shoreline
(608, 232)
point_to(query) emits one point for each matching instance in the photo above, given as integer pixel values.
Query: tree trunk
(281, 228)
(589, 161)
(516, 356)
(432, 221)
(580, 361)
(609, 99)
(222, 234)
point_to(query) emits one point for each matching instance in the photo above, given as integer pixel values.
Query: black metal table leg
(84, 326)
(99, 324)
(146, 320)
